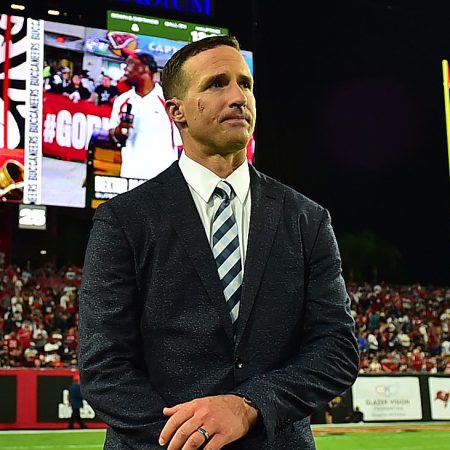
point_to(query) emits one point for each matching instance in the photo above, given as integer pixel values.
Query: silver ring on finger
(204, 433)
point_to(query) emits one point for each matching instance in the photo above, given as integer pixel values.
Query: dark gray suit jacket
(155, 330)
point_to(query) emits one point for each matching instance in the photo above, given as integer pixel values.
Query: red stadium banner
(38, 399)
(68, 126)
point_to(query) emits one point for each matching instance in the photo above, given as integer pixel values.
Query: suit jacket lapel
(266, 206)
(176, 200)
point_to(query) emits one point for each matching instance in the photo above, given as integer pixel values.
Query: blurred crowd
(79, 85)
(400, 328)
(39, 317)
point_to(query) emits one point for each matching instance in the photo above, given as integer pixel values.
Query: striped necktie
(226, 250)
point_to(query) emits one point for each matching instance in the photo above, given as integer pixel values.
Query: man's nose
(238, 96)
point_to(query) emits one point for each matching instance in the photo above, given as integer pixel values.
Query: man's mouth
(236, 118)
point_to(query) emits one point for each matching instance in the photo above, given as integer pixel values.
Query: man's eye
(217, 84)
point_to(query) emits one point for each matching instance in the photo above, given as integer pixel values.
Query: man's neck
(222, 165)
(144, 87)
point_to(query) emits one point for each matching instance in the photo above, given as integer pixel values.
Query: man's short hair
(173, 80)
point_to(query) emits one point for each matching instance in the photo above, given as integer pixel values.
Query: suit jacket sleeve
(326, 360)
(113, 377)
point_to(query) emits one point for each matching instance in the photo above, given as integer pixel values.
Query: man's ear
(175, 110)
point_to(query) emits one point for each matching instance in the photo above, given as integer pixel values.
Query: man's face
(219, 106)
(76, 80)
(134, 70)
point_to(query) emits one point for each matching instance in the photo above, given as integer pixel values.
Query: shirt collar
(203, 181)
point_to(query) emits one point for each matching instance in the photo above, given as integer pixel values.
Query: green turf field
(93, 440)
(374, 440)
(52, 440)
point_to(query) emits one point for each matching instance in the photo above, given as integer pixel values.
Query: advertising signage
(157, 27)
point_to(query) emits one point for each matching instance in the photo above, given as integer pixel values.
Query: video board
(54, 140)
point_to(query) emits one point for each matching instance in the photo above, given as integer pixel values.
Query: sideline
(75, 430)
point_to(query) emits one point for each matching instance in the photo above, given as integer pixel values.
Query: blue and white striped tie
(226, 250)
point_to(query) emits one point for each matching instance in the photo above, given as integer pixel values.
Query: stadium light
(53, 12)
(17, 6)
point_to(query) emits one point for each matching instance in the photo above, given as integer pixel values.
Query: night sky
(351, 113)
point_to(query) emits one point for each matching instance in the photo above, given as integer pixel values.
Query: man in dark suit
(213, 311)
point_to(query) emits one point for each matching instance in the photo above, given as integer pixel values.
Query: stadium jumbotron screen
(48, 154)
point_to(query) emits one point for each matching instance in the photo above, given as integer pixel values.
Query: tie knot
(223, 190)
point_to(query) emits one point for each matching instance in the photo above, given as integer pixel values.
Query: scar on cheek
(200, 106)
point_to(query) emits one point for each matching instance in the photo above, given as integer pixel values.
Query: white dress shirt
(202, 182)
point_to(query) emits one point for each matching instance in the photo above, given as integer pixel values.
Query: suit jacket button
(238, 364)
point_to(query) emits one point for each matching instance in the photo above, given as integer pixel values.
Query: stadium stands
(401, 329)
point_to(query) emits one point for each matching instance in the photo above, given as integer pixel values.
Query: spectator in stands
(404, 341)
(105, 93)
(441, 364)
(391, 362)
(417, 360)
(60, 80)
(434, 339)
(75, 90)
(8, 323)
(445, 346)
(363, 344)
(64, 300)
(445, 320)
(40, 337)
(373, 343)
(25, 335)
(29, 356)
(374, 318)
(17, 307)
(375, 366)
(12, 348)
